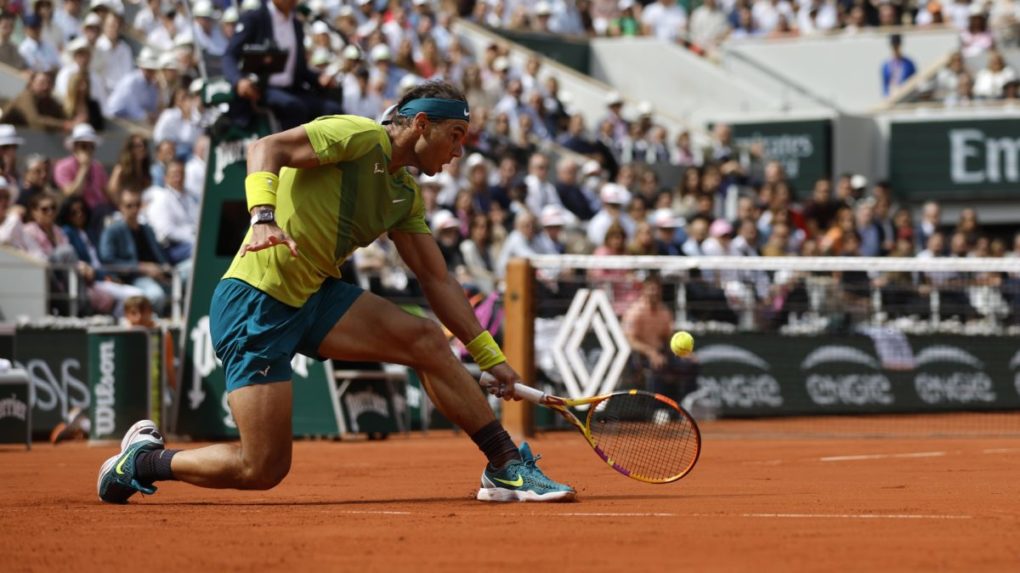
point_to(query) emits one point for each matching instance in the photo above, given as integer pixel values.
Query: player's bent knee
(429, 346)
(265, 474)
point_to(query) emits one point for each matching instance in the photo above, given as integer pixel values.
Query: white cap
(420, 2)
(93, 19)
(590, 167)
(147, 59)
(247, 5)
(169, 61)
(614, 194)
(3, 183)
(976, 9)
(429, 180)
(645, 108)
(230, 16)
(320, 57)
(9, 135)
(184, 39)
(196, 85)
(203, 9)
(351, 52)
(501, 63)
(408, 82)
(474, 160)
(443, 220)
(364, 2)
(345, 11)
(82, 132)
(381, 52)
(320, 27)
(79, 43)
(542, 8)
(553, 216)
(115, 6)
(664, 219)
(858, 182)
(613, 98)
(624, 4)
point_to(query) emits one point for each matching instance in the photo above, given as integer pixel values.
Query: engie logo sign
(747, 385)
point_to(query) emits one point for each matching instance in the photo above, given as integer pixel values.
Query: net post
(519, 342)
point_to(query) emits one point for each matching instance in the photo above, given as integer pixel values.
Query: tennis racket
(644, 436)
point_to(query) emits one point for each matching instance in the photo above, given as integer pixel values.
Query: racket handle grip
(522, 391)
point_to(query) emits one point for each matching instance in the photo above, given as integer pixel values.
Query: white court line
(855, 516)
(881, 456)
(1000, 450)
(372, 512)
(612, 514)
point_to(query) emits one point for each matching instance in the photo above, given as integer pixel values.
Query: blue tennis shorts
(256, 336)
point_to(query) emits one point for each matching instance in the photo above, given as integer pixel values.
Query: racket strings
(645, 437)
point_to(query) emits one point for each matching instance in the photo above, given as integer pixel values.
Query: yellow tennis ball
(682, 343)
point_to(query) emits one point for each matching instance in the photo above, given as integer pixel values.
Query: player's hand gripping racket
(644, 436)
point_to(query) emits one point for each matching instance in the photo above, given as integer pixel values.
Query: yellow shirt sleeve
(338, 138)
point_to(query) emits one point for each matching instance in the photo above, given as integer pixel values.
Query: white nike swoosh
(399, 200)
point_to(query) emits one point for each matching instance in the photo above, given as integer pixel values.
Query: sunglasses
(47, 209)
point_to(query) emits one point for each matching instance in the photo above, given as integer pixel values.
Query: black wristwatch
(263, 215)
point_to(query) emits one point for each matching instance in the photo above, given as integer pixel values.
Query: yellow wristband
(260, 189)
(485, 351)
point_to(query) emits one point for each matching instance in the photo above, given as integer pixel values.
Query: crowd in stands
(536, 177)
(707, 23)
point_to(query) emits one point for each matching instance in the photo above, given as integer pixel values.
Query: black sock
(496, 444)
(154, 466)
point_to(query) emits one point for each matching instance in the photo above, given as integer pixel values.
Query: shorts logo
(377, 169)
(264, 371)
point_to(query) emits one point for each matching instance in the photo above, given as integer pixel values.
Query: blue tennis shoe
(117, 481)
(522, 481)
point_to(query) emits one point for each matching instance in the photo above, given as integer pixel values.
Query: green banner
(803, 147)
(56, 360)
(120, 375)
(202, 410)
(963, 159)
(881, 371)
(572, 52)
(15, 412)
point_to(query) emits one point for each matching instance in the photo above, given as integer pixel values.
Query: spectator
(820, 209)
(133, 168)
(540, 191)
(131, 246)
(138, 312)
(80, 173)
(194, 169)
(91, 28)
(39, 54)
(136, 96)
(35, 107)
(897, 69)
(625, 23)
(37, 180)
(173, 213)
(179, 124)
(11, 231)
(478, 183)
(709, 26)
(113, 59)
(614, 197)
(665, 19)
(968, 226)
(831, 243)
(10, 142)
(147, 18)
(571, 195)
(989, 82)
(479, 255)
(869, 233)
(365, 100)
(553, 219)
(643, 243)
(79, 103)
(614, 116)
(964, 94)
(67, 19)
(9, 51)
(947, 78)
(522, 242)
(697, 233)
(228, 24)
(446, 228)
(80, 58)
(976, 39)
(284, 92)
(207, 34)
(669, 235)
(648, 326)
(73, 219)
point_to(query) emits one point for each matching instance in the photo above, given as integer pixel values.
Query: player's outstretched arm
(446, 297)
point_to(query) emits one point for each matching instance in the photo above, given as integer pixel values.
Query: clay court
(752, 503)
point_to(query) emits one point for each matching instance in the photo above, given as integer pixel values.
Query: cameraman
(290, 94)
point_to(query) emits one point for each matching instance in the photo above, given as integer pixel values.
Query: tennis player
(316, 193)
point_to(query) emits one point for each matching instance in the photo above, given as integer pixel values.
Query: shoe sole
(503, 495)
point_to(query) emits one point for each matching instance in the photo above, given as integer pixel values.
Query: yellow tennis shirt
(331, 210)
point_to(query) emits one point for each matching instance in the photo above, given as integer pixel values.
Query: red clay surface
(407, 504)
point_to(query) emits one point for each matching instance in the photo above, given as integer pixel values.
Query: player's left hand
(505, 377)
(268, 235)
